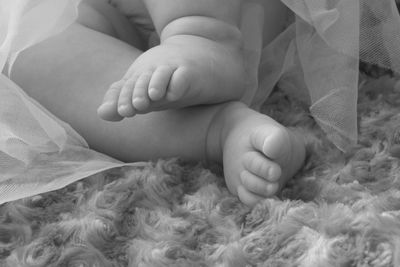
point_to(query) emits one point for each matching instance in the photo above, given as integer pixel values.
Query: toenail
(108, 103)
(272, 146)
(272, 188)
(153, 92)
(123, 108)
(274, 173)
(140, 103)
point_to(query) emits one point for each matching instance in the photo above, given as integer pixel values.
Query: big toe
(273, 141)
(282, 147)
(179, 84)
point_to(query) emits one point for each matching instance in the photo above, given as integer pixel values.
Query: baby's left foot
(259, 154)
(200, 61)
(183, 71)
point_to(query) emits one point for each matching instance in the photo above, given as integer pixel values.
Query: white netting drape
(38, 152)
(316, 59)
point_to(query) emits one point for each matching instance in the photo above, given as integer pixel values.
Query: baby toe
(108, 108)
(258, 185)
(179, 84)
(261, 166)
(247, 197)
(272, 141)
(125, 107)
(140, 98)
(159, 82)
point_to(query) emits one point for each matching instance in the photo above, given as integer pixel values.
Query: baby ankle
(219, 128)
(202, 26)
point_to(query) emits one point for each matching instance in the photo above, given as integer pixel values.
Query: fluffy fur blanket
(340, 210)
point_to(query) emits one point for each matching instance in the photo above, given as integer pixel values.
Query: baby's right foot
(259, 155)
(197, 66)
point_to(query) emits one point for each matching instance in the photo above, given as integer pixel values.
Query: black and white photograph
(226, 133)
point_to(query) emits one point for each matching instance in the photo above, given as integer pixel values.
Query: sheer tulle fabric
(38, 152)
(315, 59)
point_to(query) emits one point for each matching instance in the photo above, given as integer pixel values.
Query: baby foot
(189, 69)
(259, 155)
(183, 71)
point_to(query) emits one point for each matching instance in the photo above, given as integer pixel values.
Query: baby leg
(76, 68)
(201, 59)
(102, 17)
(258, 154)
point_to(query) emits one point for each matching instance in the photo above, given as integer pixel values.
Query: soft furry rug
(340, 210)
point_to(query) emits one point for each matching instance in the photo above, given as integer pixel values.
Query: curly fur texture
(340, 210)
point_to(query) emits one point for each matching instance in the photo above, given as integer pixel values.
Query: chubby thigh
(130, 21)
(101, 16)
